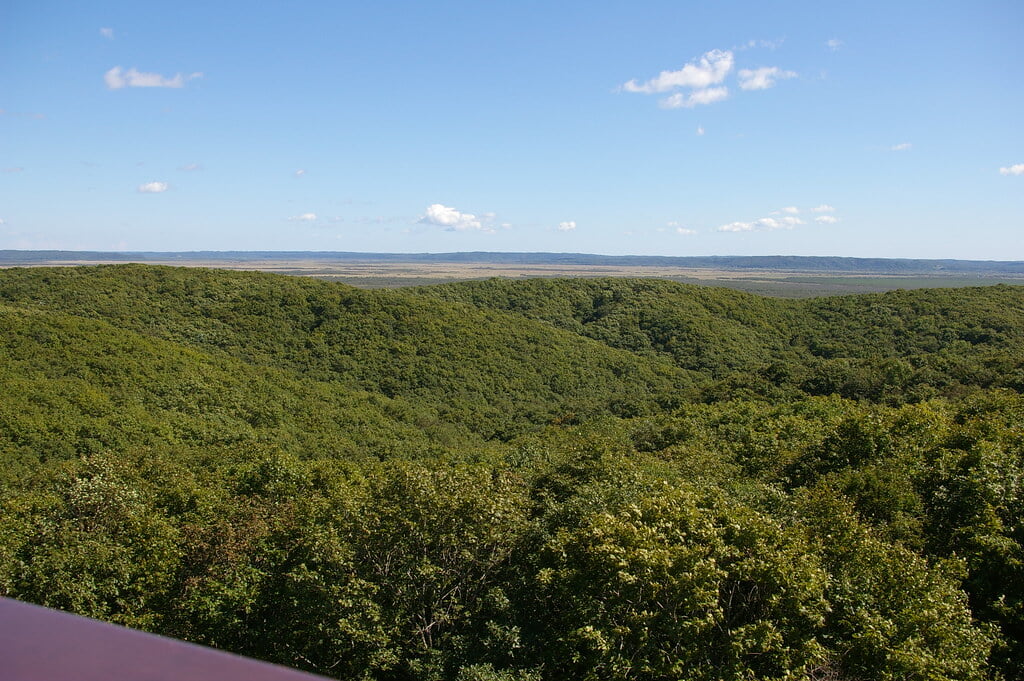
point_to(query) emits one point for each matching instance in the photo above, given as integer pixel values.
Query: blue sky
(667, 128)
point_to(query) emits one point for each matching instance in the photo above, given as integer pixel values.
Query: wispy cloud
(107, 33)
(191, 167)
(684, 231)
(17, 169)
(762, 224)
(834, 44)
(763, 78)
(702, 81)
(784, 218)
(153, 188)
(769, 44)
(1016, 169)
(117, 78)
(709, 69)
(303, 217)
(737, 227)
(706, 96)
(452, 219)
(567, 226)
(902, 146)
(300, 172)
(700, 130)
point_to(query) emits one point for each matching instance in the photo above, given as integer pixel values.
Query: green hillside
(520, 480)
(72, 386)
(898, 345)
(489, 372)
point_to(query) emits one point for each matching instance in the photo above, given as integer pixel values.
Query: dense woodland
(520, 480)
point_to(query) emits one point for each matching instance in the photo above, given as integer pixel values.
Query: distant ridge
(787, 263)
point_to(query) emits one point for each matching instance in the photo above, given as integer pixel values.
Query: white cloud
(685, 232)
(1017, 169)
(902, 146)
(107, 33)
(303, 217)
(450, 218)
(700, 130)
(300, 172)
(17, 169)
(770, 44)
(702, 80)
(762, 224)
(784, 218)
(189, 167)
(567, 226)
(710, 69)
(762, 78)
(737, 227)
(2, 221)
(117, 78)
(708, 96)
(834, 44)
(153, 188)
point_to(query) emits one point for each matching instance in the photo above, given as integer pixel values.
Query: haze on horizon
(736, 128)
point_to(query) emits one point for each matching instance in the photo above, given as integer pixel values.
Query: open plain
(777, 277)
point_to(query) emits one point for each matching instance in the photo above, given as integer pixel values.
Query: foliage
(518, 481)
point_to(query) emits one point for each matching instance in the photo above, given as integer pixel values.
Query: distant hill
(904, 343)
(783, 263)
(488, 372)
(502, 356)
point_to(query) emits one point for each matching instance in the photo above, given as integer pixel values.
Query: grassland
(782, 277)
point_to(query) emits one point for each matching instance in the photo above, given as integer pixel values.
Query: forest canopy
(520, 480)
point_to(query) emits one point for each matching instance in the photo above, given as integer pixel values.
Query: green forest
(520, 480)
